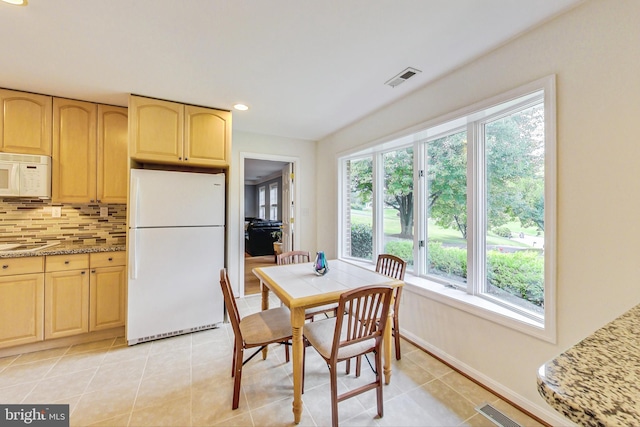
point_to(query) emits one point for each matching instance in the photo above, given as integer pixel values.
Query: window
(358, 212)
(397, 204)
(273, 201)
(262, 202)
(469, 203)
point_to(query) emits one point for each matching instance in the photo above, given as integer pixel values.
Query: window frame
(273, 215)
(472, 298)
(262, 202)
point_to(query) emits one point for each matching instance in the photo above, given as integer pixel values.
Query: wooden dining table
(300, 288)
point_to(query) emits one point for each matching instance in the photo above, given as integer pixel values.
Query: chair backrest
(366, 310)
(293, 257)
(391, 265)
(230, 303)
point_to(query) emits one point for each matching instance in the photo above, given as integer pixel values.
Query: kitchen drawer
(67, 262)
(107, 259)
(23, 265)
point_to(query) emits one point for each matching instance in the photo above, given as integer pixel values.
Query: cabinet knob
(93, 271)
(66, 262)
(83, 272)
(185, 159)
(179, 158)
(5, 266)
(91, 200)
(110, 259)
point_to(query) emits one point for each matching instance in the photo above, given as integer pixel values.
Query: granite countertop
(597, 381)
(65, 249)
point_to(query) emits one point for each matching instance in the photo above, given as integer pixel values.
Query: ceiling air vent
(404, 75)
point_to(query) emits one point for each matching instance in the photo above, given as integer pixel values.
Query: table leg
(265, 306)
(297, 323)
(386, 344)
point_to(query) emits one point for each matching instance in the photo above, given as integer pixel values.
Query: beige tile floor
(186, 381)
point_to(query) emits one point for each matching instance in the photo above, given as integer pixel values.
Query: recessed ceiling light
(241, 107)
(16, 2)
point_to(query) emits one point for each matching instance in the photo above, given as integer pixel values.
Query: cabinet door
(106, 296)
(113, 136)
(25, 123)
(21, 309)
(66, 296)
(74, 151)
(156, 130)
(208, 136)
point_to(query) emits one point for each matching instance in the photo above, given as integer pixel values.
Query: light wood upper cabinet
(156, 130)
(74, 151)
(21, 301)
(25, 123)
(208, 136)
(113, 134)
(173, 133)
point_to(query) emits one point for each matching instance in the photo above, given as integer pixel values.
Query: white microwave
(25, 175)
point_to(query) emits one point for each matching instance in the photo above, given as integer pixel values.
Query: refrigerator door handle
(135, 189)
(133, 254)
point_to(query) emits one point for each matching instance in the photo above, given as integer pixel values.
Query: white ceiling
(306, 68)
(256, 171)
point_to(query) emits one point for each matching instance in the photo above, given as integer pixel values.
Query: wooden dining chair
(296, 257)
(353, 334)
(293, 257)
(393, 266)
(255, 330)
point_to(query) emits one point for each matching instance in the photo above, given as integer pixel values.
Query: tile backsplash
(31, 221)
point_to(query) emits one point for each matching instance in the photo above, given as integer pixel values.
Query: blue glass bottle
(320, 265)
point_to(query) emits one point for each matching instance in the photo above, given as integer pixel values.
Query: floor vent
(496, 416)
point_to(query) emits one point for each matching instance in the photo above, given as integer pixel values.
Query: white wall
(270, 148)
(594, 51)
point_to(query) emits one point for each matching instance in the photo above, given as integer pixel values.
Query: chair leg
(334, 396)
(233, 362)
(237, 379)
(286, 353)
(378, 358)
(396, 335)
(358, 365)
(348, 366)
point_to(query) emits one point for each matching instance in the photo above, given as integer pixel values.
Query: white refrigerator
(176, 250)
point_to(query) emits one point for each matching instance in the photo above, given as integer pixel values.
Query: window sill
(473, 305)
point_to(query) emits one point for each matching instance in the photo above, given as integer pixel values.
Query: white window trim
(458, 298)
(262, 202)
(273, 204)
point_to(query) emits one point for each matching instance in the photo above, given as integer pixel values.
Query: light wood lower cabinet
(66, 294)
(84, 293)
(21, 301)
(107, 290)
(59, 296)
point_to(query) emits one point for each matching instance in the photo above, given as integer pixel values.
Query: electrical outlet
(56, 211)
(104, 211)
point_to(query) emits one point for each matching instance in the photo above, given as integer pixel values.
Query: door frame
(296, 208)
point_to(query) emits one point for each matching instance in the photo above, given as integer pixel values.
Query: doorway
(265, 179)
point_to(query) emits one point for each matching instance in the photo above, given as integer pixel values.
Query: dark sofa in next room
(258, 237)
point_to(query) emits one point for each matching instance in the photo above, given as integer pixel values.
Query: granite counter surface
(66, 249)
(597, 381)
